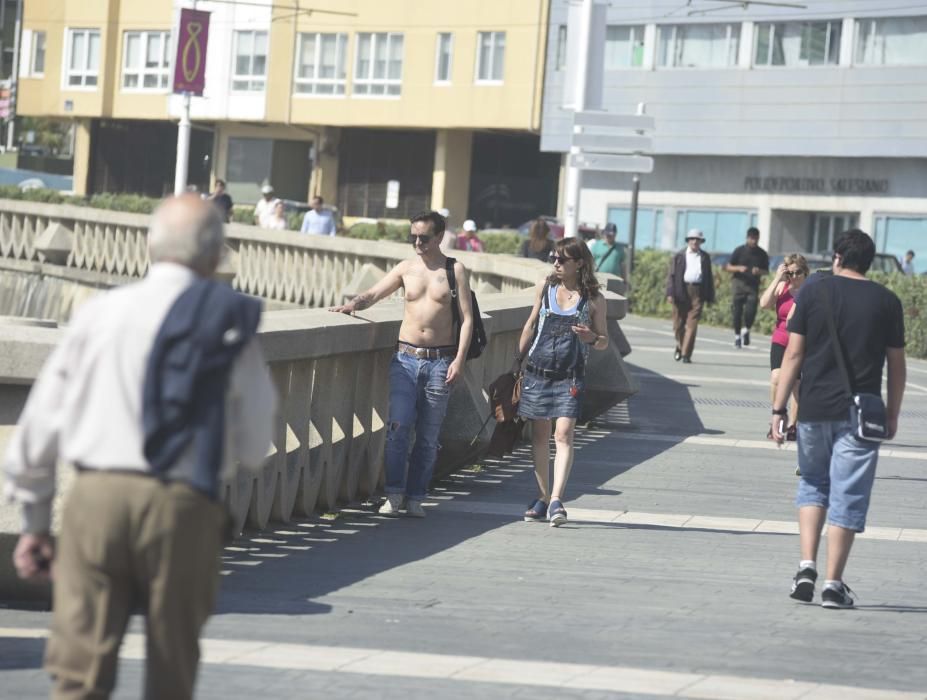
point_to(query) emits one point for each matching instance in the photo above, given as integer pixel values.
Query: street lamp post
(14, 77)
(635, 191)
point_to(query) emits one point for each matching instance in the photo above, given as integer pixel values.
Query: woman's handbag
(504, 395)
(868, 417)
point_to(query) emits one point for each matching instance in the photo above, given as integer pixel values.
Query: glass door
(825, 227)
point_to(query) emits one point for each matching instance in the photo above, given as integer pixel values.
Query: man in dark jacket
(689, 285)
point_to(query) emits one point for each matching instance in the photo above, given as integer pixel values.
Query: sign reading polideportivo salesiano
(816, 185)
(190, 62)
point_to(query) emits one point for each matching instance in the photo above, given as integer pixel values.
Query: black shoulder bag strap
(605, 257)
(835, 340)
(452, 283)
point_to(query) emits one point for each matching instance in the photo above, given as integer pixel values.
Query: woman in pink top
(780, 295)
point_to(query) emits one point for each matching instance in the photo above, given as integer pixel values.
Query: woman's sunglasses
(558, 259)
(794, 273)
(422, 239)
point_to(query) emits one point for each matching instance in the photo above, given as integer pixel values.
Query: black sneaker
(837, 597)
(746, 337)
(803, 585)
(737, 342)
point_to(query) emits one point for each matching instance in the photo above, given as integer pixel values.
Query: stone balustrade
(280, 266)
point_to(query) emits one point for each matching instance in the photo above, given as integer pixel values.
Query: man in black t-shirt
(837, 468)
(749, 263)
(222, 200)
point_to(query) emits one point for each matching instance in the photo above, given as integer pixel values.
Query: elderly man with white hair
(155, 393)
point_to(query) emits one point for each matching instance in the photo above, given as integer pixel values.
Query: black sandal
(557, 514)
(536, 511)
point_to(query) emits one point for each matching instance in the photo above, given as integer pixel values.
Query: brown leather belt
(426, 353)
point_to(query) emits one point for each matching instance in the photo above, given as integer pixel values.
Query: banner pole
(183, 148)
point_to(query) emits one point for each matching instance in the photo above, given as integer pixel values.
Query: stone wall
(330, 370)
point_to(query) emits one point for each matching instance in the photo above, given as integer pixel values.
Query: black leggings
(744, 309)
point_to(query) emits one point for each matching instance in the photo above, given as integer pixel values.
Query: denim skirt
(550, 398)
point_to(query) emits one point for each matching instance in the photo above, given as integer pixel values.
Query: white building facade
(802, 122)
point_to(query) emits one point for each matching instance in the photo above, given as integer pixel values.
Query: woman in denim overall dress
(567, 320)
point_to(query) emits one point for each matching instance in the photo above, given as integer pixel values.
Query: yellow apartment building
(329, 97)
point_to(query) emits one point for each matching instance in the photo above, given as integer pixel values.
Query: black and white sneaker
(837, 597)
(737, 342)
(746, 337)
(803, 585)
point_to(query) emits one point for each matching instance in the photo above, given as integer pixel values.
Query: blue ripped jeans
(417, 397)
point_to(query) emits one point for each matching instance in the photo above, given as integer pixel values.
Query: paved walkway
(670, 581)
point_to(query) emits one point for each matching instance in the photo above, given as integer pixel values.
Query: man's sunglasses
(420, 238)
(558, 259)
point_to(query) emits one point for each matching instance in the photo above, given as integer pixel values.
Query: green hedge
(648, 298)
(114, 202)
(502, 242)
(379, 231)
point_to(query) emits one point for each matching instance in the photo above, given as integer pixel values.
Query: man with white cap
(689, 285)
(264, 209)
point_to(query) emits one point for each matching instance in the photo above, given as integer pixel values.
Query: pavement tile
(633, 680)
(521, 672)
(715, 523)
(659, 519)
(735, 688)
(397, 663)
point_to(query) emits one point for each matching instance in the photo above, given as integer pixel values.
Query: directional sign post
(614, 143)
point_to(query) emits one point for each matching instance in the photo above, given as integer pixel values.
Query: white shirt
(264, 211)
(321, 223)
(693, 273)
(86, 404)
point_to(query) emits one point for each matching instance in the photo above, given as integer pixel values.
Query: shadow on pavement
(284, 570)
(18, 653)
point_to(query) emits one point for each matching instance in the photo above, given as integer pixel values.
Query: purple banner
(190, 64)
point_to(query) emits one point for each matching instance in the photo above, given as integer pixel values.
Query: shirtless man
(428, 360)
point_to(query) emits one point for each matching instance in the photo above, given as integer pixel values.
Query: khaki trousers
(132, 543)
(685, 319)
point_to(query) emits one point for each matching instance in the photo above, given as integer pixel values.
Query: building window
(146, 61)
(899, 234)
(895, 41)
(378, 66)
(443, 57)
(83, 60)
(37, 60)
(649, 231)
(798, 44)
(561, 47)
(320, 68)
(624, 47)
(826, 228)
(490, 57)
(698, 45)
(724, 229)
(250, 61)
